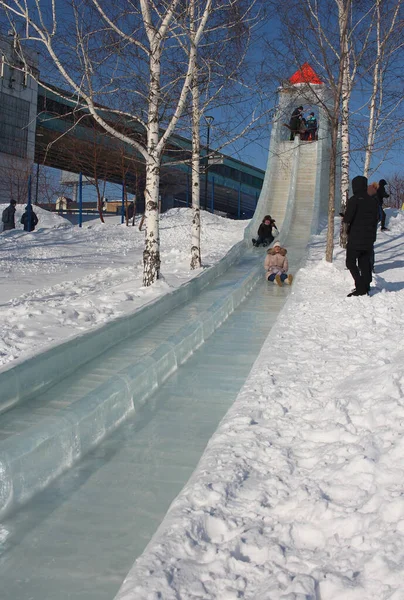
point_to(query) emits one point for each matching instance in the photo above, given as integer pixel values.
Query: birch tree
(387, 43)
(343, 16)
(346, 90)
(124, 55)
(196, 144)
(216, 82)
(378, 45)
(216, 69)
(320, 33)
(396, 189)
(195, 165)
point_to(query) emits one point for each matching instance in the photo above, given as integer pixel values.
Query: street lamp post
(209, 120)
(37, 135)
(37, 183)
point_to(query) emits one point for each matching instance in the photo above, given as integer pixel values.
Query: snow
(60, 280)
(300, 492)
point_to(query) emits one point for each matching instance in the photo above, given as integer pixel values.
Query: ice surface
(44, 435)
(78, 538)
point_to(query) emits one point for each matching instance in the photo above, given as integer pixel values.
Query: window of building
(14, 120)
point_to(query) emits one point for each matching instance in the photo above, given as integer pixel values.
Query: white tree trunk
(345, 98)
(373, 97)
(196, 148)
(151, 254)
(196, 180)
(343, 12)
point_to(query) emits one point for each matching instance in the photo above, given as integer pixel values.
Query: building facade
(18, 108)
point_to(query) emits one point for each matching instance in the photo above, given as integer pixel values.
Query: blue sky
(253, 149)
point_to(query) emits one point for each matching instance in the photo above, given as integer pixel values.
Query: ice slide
(88, 504)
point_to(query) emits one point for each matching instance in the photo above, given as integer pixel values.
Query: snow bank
(300, 493)
(46, 219)
(61, 280)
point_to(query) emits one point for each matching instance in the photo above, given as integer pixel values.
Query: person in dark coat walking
(361, 216)
(295, 122)
(131, 210)
(265, 236)
(381, 195)
(8, 216)
(29, 219)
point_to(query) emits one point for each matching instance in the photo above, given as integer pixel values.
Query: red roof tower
(305, 74)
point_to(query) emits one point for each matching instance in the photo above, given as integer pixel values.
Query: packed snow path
(79, 537)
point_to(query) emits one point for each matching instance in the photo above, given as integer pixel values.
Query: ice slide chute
(99, 515)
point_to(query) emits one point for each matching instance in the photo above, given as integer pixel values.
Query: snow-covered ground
(60, 280)
(300, 493)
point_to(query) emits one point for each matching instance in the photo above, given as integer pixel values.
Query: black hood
(360, 185)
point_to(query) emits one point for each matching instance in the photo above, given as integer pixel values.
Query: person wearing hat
(29, 219)
(311, 127)
(276, 265)
(381, 195)
(361, 217)
(265, 236)
(295, 122)
(8, 216)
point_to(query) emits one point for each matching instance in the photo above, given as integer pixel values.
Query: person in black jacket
(8, 216)
(381, 195)
(361, 216)
(265, 236)
(130, 210)
(29, 219)
(295, 122)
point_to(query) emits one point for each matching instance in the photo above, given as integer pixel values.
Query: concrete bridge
(68, 138)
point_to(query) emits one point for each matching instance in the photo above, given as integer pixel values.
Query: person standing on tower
(311, 127)
(295, 122)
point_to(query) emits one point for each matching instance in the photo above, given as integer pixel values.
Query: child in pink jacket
(276, 265)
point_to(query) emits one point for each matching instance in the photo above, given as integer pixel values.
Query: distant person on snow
(361, 216)
(381, 195)
(29, 219)
(130, 210)
(276, 265)
(8, 216)
(265, 236)
(372, 191)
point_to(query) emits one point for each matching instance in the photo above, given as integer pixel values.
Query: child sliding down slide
(265, 236)
(276, 265)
